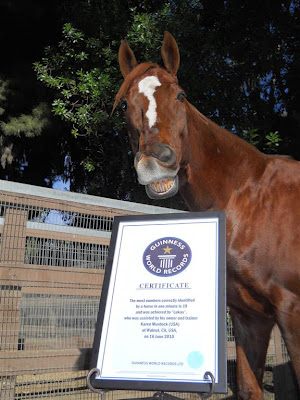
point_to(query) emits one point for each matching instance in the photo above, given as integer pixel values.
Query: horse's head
(156, 117)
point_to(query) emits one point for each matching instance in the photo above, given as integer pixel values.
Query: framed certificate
(162, 316)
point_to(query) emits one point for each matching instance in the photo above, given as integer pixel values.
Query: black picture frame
(165, 385)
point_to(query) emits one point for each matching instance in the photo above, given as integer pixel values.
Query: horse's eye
(181, 96)
(124, 105)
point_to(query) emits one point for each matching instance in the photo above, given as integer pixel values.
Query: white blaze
(147, 86)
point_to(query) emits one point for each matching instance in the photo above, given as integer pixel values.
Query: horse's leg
(288, 320)
(252, 336)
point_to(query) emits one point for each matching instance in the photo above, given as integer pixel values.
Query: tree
(84, 72)
(245, 51)
(28, 131)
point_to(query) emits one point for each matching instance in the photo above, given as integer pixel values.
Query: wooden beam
(32, 361)
(26, 275)
(29, 201)
(39, 233)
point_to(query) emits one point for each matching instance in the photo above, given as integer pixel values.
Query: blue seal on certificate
(167, 256)
(195, 359)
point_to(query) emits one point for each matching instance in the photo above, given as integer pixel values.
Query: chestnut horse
(178, 148)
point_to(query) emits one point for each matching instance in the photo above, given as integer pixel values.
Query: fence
(53, 250)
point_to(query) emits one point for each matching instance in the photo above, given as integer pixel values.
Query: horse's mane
(139, 70)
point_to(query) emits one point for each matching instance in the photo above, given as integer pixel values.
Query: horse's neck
(219, 164)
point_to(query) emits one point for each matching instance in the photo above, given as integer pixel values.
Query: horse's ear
(127, 59)
(170, 53)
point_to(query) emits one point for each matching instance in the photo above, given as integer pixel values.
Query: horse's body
(177, 147)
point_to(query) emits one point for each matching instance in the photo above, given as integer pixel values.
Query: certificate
(162, 318)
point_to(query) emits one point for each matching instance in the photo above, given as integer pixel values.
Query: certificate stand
(158, 395)
(91, 387)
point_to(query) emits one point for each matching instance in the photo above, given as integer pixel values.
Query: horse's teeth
(162, 186)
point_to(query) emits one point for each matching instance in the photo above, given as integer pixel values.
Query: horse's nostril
(163, 153)
(166, 154)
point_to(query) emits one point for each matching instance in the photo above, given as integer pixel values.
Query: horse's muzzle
(157, 170)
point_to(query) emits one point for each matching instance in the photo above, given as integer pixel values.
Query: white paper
(162, 327)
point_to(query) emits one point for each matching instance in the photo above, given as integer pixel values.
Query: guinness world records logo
(167, 256)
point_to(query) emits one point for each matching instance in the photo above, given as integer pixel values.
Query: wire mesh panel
(64, 253)
(53, 250)
(10, 297)
(57, 321)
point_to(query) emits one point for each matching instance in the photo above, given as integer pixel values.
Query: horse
(176, 148)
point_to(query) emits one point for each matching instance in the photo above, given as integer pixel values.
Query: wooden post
(10, 304)
(14, 236)
(12, 251)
